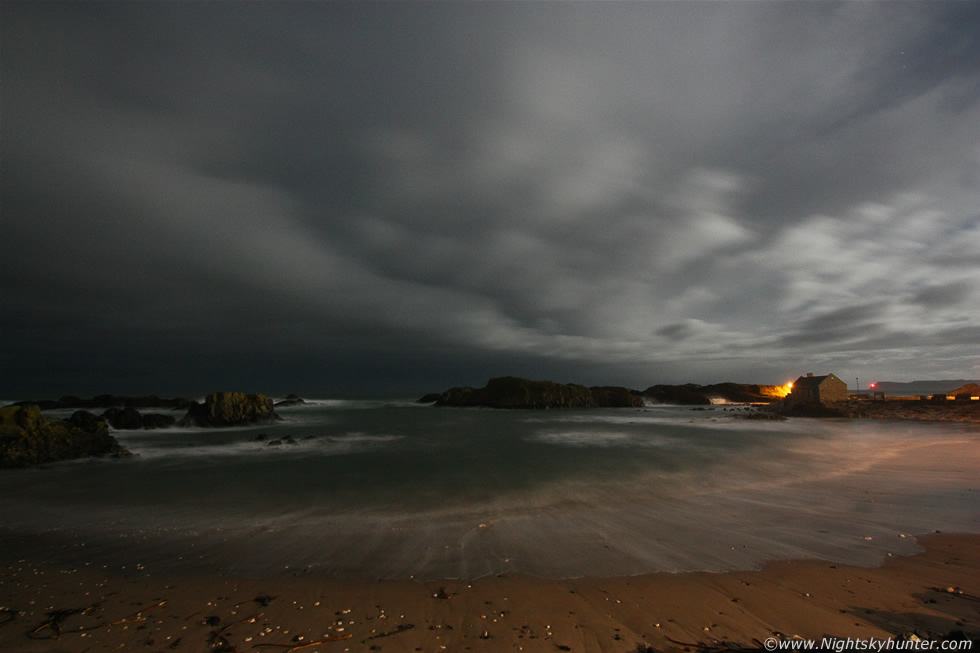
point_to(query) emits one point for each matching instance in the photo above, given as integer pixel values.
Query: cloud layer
(330, 196)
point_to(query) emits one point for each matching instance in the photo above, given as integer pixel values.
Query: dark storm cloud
(393, 194)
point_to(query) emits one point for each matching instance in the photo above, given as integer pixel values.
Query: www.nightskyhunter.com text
(872, 645)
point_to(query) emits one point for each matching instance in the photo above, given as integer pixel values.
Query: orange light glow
(777, 391)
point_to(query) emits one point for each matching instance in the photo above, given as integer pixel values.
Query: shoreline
(915, 410)
(101, 610)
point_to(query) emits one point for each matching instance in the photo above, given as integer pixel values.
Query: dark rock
(290, 400)
(461, 396)
(230, 409)
(515, 392)
(289, 440)
(616, 397)
(742, 393)
(106, 401)
(261, 436)
(430, 398)
(27, 438)
(183, 403)
(694, 394)
(682, 395)
(158, 421)
(274, 443)
(147, 401)
(85, 420)
(123, 418)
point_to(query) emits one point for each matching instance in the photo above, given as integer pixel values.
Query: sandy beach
(85, 609)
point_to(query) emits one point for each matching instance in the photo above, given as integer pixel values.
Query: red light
(873, 385)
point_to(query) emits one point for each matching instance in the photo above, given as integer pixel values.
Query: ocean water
(393, 489)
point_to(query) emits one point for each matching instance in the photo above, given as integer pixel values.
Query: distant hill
(515, 392)
(968, 389)
(921, 387)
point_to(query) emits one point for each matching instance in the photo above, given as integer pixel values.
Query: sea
(371, 488)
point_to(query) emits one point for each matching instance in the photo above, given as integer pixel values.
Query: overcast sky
(320, 197)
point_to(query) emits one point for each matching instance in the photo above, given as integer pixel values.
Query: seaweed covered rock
(230, 409)
(27, 438)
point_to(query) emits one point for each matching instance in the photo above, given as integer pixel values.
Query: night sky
(329, 197)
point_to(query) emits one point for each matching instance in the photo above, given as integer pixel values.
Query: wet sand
(86, 609)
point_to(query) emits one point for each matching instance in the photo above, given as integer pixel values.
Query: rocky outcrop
(692, 394)
(230, 409)
(742, 393)
(27, 438)
(515, 392)
(158, 421)
(616, 397)
(123, 418)
(682, 395)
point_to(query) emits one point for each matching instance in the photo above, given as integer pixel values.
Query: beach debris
(54, 630)
(441, 594)
(53, 625)
(955, 591)
(297, 647)
(263, 600)
(733, 647)
(643, 647)
(388, 633)
(8, 615)
(217, 642)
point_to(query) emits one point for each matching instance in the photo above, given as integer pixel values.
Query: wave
(350, 404)
(602, 439)
(458, 493)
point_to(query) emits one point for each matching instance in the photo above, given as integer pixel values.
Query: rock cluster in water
(230, 409)
(28, 438)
